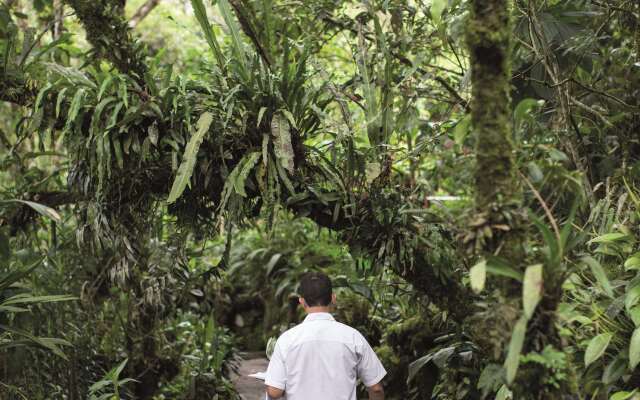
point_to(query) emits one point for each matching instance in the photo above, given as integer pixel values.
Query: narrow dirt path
(251, 388)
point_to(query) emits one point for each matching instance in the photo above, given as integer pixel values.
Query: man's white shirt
(322, 359)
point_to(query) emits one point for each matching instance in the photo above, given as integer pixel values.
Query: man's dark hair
(316, 289)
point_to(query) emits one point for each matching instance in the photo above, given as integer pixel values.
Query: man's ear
(301, 301)
(333, 298)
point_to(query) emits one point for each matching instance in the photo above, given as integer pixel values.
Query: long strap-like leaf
(201, 15)
(189, 158)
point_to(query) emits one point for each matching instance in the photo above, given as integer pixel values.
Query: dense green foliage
(468, 172)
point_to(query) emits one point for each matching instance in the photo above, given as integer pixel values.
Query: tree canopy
(468, 171)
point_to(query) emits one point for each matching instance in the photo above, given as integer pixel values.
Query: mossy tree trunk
(498, 198)
(499, 222)
(489, 44)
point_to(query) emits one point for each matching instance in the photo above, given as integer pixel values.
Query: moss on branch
(110, 35)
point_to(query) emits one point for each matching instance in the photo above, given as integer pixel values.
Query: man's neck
(317, 309)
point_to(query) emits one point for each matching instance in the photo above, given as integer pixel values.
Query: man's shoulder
(350, 331)
(342, 330)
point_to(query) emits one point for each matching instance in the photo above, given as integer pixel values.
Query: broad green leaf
(623, 395)
(370, 99)
(41, 95)
(632, 294)
(189, 158)
(239, 182)
(615, 369)
(417, 365)
(549, 238)
(515, 348)
(74, 108)
(632, 262)
(272, 263)
(281, 132)
(437, 8)
(232, 184)
(461, 130)
(478, 276)
(531, 289)
(373, 170)
(104, 86)
(634, 314)
(99, 385)
(499, 266)
(634, 349)
(599, 274)
(59, 101)
(609, 238)
(535, 172)
(260, 115)
(524, 108)
(491, 376)
(596, 348)
(290, 118)
(97, 113)
(504, 393)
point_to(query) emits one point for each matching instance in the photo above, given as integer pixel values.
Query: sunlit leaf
(599, 274)
(609, 238)
(478, 276)
(515, 348)
(596, 348)
(437, 8)
(189, 158)
(634, 349)
(41, 209)
(281, 132)
(531, 289)
(373, 170)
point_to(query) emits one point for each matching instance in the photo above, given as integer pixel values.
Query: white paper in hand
(258, 375)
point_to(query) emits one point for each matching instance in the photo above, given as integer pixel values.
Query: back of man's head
(316, 289)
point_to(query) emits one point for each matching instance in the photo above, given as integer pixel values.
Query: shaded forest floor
(251, 388)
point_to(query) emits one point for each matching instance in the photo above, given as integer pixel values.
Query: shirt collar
(319, 316)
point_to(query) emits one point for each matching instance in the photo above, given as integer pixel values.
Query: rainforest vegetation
(467, 172)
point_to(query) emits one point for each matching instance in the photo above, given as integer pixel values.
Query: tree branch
(142, 12)
(109, 34)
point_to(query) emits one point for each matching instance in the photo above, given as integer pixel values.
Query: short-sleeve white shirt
(322, 359)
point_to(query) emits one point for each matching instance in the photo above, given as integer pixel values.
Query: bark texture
(489, 44)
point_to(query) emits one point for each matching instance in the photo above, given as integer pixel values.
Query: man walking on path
(321, 359)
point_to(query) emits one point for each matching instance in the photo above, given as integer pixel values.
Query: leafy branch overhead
(468, 171)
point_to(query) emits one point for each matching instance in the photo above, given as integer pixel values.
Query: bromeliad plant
(111, 386)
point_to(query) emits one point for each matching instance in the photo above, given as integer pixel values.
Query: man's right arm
(276, 376)
(376, 392)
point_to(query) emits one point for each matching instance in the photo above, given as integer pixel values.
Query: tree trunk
(499, 223)
(489, 43)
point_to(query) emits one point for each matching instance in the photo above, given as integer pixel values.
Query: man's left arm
(370, 370)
